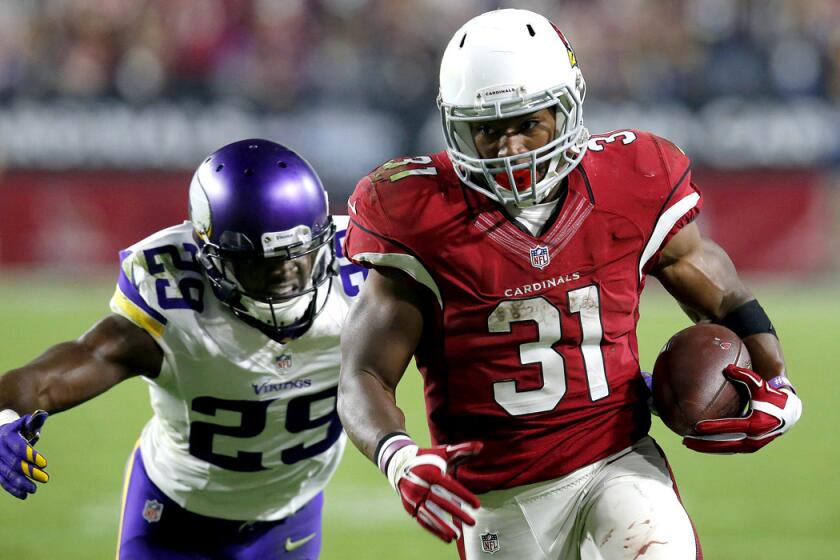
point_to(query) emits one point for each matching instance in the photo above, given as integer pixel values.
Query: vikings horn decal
(200, 214)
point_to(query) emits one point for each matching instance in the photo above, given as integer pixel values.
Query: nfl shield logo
(539, 257)
(490, 542)
(152, 511)
(284, 360)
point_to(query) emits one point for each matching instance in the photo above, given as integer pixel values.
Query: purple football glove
(19, 462)
(647, 377)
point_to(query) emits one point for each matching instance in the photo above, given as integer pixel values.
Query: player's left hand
(771, 413)
(20, 464)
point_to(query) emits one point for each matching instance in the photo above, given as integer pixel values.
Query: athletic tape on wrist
(748, 319)
(396, 464)
(389, 445)
(8, 415)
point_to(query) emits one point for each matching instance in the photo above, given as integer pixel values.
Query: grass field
(781, 503)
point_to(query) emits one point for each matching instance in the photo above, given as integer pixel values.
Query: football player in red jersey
(510, 266)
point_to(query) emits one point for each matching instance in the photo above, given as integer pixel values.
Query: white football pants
(622, 507)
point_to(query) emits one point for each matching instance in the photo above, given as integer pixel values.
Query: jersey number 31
(584, 302)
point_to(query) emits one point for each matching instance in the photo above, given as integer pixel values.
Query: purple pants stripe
(154, 527)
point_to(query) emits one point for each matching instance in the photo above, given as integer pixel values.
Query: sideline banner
(772, 222)
(81, 218)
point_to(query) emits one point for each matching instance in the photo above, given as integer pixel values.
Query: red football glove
(771, 413)
(428, 492)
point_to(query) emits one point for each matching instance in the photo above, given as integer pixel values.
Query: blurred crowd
(279, 54)
(110, 89)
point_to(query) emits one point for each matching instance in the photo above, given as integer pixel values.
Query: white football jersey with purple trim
(244, 427)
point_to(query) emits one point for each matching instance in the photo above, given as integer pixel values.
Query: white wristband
(397, 464)
(7, 416)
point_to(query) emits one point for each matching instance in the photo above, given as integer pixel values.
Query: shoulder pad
(402, 168)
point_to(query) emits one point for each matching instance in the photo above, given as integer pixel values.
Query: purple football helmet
(261, 219)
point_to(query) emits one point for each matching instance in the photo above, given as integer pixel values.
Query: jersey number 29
(253, 415)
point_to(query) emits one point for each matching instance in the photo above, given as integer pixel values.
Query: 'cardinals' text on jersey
(531, 346)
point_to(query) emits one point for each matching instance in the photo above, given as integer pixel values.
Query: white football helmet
(503, 64)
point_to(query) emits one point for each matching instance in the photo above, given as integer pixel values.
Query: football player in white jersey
(233, 319)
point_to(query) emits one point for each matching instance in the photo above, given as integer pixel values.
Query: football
(688, 380)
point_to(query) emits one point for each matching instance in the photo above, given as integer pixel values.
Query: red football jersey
(532, 347)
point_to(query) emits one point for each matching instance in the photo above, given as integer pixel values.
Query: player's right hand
(430, 494)
(20, 464)
(771, 413)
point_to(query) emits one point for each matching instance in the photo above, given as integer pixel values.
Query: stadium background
(106, 106)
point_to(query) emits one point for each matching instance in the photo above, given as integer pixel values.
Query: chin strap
(296, 329)
(277, 333)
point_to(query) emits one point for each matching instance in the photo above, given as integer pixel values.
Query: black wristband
(748, 319)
